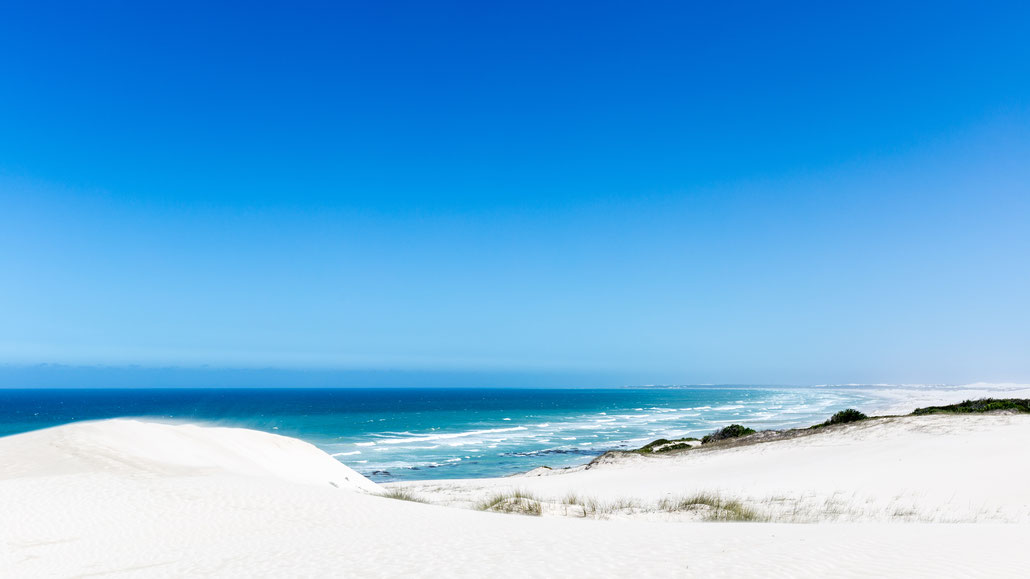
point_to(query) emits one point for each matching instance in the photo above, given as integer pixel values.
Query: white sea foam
(449, 436)
(604, 430)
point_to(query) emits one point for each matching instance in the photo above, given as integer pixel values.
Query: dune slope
(133, 499)
(940, 468)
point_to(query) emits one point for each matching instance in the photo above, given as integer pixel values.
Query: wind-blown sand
(126, 498)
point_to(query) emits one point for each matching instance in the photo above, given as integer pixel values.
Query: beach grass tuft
(403, 495)
(715, 507)
(514, 502)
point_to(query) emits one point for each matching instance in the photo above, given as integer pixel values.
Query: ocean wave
(449, 436)
(550, 451)
(564, 439)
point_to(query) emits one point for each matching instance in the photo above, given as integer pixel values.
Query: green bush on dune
(844, 416)
(671, 447)
(981, 405)
(849, 415)
(731, 431)
(664, 445)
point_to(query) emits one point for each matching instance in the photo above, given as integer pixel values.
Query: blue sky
(504, 193)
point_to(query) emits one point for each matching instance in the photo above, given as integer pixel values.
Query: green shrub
(981, 405)
(844, 416)
(671, 447)
(665, 445)
(731, 431)
(649, 447)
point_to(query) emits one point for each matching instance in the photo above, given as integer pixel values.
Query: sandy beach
(498, 290)
(923, 496)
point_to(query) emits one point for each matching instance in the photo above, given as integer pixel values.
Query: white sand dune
(123, 498)
(938, 468)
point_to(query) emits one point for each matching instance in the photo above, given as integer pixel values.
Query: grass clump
(976, 406)
(714, 507)
(403, 495)
(731, 431)
(514, 502)
(590, 507)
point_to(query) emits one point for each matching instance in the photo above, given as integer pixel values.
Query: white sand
(939, 468)
(123, 498)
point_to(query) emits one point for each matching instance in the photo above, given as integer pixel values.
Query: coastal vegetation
(712, 506)
(665, 445)
(402, 495)
(707, 505)
(573, 504)
(976, 406)
(513, 502)
(1021, 405)
(843, 417)
(731, 431)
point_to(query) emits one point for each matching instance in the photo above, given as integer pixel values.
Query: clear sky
(548, 193)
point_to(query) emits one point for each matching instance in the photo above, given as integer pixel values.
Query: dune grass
(402, 495)
(514, 502)
(712, 507)
(573, 504)
(715, 508)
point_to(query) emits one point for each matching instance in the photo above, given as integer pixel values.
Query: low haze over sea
(409, 434)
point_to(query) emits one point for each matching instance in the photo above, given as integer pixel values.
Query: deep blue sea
(406, 434)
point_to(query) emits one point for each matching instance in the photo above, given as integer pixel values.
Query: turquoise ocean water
(408, 434)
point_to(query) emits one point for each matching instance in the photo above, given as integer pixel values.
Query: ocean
(439, 433)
